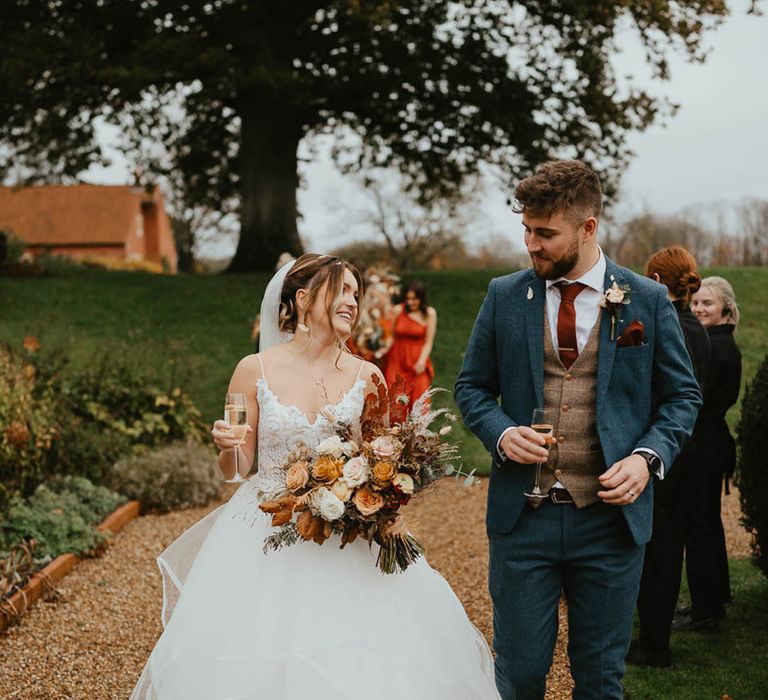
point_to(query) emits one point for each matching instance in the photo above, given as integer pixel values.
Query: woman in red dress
(415, 324)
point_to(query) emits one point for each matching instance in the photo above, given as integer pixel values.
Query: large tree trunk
(185, 242)
(270, 137)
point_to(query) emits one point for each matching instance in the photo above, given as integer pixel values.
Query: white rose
(327, 505)
(355, 472)
(403, 482)
(331, 446)
(615, 295)
(349, 448)
(386, 447)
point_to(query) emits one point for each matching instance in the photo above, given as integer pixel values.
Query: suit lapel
(607, 350)
(534, 326)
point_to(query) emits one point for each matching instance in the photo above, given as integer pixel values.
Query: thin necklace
(320, 383)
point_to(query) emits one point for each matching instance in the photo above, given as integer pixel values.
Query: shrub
(29, 425)
(120, 400)
(181, 475)
(752, 476)
(53, 422)
(94, 502)
(16, 567)
(11, 248)
(58, 521)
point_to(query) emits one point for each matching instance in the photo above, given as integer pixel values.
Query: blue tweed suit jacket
(505, 360)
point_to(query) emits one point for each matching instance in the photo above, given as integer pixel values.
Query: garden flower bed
(44, 581)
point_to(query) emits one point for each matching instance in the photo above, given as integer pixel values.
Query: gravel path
(92, 643)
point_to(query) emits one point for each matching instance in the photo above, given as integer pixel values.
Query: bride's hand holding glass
(231, 433)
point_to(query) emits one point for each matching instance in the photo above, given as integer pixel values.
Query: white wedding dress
(307, 621)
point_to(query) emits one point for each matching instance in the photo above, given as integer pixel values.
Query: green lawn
(193, 329)
(709, 665)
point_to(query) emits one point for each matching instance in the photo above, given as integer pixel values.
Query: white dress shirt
(587, 304)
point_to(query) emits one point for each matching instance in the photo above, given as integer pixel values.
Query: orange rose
(383, 472)
(327, 468)
(368, 502)
(297, 476)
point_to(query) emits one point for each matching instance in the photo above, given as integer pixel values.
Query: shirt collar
(592, 278)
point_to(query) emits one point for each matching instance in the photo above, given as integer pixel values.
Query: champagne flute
(236, 415)
(541, 422)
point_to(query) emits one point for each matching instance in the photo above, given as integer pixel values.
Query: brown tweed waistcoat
(576, 459)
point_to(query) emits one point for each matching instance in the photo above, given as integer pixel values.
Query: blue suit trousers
(588, 555)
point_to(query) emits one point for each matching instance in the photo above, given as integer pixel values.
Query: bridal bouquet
(356, 489)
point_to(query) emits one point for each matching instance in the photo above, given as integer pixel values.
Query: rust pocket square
(634, 334)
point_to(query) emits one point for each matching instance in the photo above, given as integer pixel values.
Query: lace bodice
(282, 428)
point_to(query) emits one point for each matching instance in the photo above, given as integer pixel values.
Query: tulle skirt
(307, 621)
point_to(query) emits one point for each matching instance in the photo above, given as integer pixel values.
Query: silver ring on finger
(631, 493)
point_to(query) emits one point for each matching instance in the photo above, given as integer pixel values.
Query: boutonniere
(612, 300)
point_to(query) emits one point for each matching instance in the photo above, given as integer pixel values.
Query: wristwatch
(652, 461)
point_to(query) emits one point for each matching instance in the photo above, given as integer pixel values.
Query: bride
(307, 621)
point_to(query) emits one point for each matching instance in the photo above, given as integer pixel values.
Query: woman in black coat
(706, 558)
(675, 268)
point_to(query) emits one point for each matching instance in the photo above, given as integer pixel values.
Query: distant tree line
(717, 235)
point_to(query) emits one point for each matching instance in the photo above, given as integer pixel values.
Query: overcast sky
(714, 149)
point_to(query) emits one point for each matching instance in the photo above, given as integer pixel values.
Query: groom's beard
(548, 269)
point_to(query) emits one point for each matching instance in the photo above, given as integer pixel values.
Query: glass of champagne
(541, 422)
(236, 415)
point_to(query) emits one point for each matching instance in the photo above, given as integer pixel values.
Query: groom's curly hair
(567, 186)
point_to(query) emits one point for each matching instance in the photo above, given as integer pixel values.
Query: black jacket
(696, 342)
(717, 449)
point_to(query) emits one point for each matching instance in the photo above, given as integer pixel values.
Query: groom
(552, 337)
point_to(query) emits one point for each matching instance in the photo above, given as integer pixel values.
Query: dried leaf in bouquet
(281, 509)
(313, 527)
(375, 410)
(304, 525)
(398, 401)
(349, 535)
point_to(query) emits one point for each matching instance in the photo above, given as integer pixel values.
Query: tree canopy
(229, 88)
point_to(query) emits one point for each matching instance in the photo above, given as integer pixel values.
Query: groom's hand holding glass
(524, 445)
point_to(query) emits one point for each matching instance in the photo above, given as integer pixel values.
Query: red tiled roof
(70, 214)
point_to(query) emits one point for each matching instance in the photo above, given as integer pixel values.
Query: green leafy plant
(94, 502)
(29, 426)
(181, 475)
(120, 400)
(752, 477)
(58, 521)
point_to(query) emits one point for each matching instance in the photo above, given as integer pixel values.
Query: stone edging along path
(43, 581)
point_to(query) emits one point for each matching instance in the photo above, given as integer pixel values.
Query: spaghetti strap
(359, 370)
(263, 373)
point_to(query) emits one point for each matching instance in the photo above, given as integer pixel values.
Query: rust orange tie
(566, 322)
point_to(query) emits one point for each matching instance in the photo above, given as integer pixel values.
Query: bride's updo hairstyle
(676, 269)
(311, 272)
